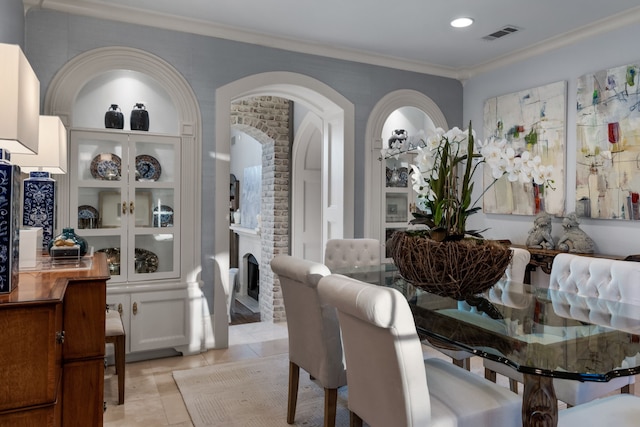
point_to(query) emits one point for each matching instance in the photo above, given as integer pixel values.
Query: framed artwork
(531, 120)
(608, 144)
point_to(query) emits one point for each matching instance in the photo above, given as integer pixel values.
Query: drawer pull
(131, 207)
(135, 308)
(124, 208)
(120, 309)
(60, 337)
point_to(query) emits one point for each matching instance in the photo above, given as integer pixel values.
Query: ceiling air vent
(505, 31)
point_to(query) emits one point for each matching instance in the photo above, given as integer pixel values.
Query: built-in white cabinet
(125, 200)
(398, 197)
(153, 319)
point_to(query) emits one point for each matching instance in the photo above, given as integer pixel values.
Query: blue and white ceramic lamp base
(9, 222)
(39, 207)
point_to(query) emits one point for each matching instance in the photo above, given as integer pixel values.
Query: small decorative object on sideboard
(540, 234)
(113, 118)
(574, 239)
(139, 117)
(68, 244)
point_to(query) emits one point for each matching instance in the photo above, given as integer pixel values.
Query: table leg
(539, 403)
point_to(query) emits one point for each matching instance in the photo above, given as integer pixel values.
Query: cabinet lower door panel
(159, 320)
(29, 339)
(83, 406)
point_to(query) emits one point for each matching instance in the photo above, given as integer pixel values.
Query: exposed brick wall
(268, 119)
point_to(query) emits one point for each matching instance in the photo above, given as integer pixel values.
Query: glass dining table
(542, 333)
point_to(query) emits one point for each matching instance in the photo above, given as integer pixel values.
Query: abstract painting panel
(531, 120)
(608, 144)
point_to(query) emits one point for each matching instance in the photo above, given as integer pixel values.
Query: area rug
(253, 393)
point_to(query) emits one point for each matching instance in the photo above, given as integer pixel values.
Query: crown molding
(135, 16)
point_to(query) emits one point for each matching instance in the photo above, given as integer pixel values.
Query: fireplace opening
(253, 277)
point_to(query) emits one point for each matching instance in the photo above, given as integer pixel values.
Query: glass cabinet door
(126, 194)
(398, 195)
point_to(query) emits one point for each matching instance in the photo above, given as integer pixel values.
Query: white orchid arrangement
(446, 202)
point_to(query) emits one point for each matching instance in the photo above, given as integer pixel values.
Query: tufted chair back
(603, 278)
(342, 253)
(612, 284)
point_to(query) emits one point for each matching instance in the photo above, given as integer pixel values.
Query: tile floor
(152, 397)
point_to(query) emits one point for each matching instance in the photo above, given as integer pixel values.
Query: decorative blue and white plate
(163, 217)
(106, 166)
(147, 168)
(87, 217)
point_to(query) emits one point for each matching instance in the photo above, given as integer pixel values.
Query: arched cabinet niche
(126, 192)
(389, 189)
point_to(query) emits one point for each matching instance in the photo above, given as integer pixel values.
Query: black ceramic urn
(139, 117)
(113, 118)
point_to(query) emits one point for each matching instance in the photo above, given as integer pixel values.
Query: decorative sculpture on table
(574, 239)
(540, 234)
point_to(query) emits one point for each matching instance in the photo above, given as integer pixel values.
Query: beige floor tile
(141, 388)
(234, 352)
(271, 348)
(137, 413)
(175, 409)
(165, 384)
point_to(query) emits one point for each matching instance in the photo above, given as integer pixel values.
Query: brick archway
(268, 119)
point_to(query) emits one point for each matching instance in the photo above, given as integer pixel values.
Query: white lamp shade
(20, 101)
(52, 149)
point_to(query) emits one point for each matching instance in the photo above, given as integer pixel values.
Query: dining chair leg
(354, 420)
(463, 363)
(294, 379)
(330, 406)
(490, 375)
(513, 385)
(629, 388)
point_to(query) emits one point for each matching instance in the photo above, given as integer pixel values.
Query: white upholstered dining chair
(389, 382)
(606, 279)
(314, 333)
(347, 253)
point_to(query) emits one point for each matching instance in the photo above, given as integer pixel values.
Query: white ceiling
(407, 34)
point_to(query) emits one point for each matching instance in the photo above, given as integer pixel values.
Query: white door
(306, 202)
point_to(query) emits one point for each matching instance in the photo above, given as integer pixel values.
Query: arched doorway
(337, 115)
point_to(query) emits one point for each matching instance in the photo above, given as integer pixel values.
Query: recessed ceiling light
(461, 22)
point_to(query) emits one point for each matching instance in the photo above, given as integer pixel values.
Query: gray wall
(52, 38)
(12, 22)
(616, 48)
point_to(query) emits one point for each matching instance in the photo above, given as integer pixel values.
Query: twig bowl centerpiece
(458, 269)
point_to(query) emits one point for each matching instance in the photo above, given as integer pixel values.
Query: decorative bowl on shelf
(145, 261)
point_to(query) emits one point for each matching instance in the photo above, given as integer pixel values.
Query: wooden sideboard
(52, 351)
